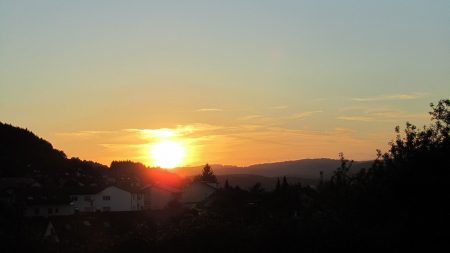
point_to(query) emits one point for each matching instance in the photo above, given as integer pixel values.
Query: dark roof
(210, 185)
(47, 198)
(94, 189)
(162, 187)
(129, 188)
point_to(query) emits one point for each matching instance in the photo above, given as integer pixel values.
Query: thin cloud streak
(392, 97)
(84, 133)
(239, 144)
(356, 118)
(209, 110)
(384, 115)
(303, 115)
(258, 119)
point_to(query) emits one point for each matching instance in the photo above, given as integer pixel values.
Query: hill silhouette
(304, 168)
(24, 154)
(397, 203)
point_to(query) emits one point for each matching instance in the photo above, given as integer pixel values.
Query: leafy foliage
(399, 203)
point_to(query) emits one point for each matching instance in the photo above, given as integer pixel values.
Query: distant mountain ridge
(23, 154)
(304, 168)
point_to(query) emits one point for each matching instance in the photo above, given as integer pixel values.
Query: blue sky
(270, 69)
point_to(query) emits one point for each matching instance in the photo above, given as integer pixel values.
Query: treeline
(25, 155)
(398, 204)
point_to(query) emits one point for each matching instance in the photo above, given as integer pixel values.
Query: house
(110, 198)
(28, 198)
(85, 199)
(197, 192)
(157, 197)
(45, 205)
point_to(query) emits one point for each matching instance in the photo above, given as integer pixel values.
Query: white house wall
(109, 199)
(119, 200)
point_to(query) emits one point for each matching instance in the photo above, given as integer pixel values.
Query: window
(139, 197)
(106, 197)
(106, 209)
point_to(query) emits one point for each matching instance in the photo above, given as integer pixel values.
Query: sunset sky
(231, 82)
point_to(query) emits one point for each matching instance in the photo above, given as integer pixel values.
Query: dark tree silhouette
(285, 184)
(256, 188)
(207, 175)
(404, 188)
(278, 186)
(227, 185)
(396, 204)
(341, 176)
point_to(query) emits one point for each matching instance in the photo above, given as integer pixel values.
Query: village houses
(114, 198)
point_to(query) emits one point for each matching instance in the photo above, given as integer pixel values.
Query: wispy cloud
(390, 97)
(251, 117)
(236, 144)
(158, 133)
(396, 114)
(280, 143)
(303, 115)
(84, 133)
(356, 118)
(209, 110)
(384, 115)
(257, 119)
(178, 131)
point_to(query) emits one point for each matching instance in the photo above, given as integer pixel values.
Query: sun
(167, 154)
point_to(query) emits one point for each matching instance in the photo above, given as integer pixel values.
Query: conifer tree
(207, 175)
(278, 186)
(227, 186)
(285, 184)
